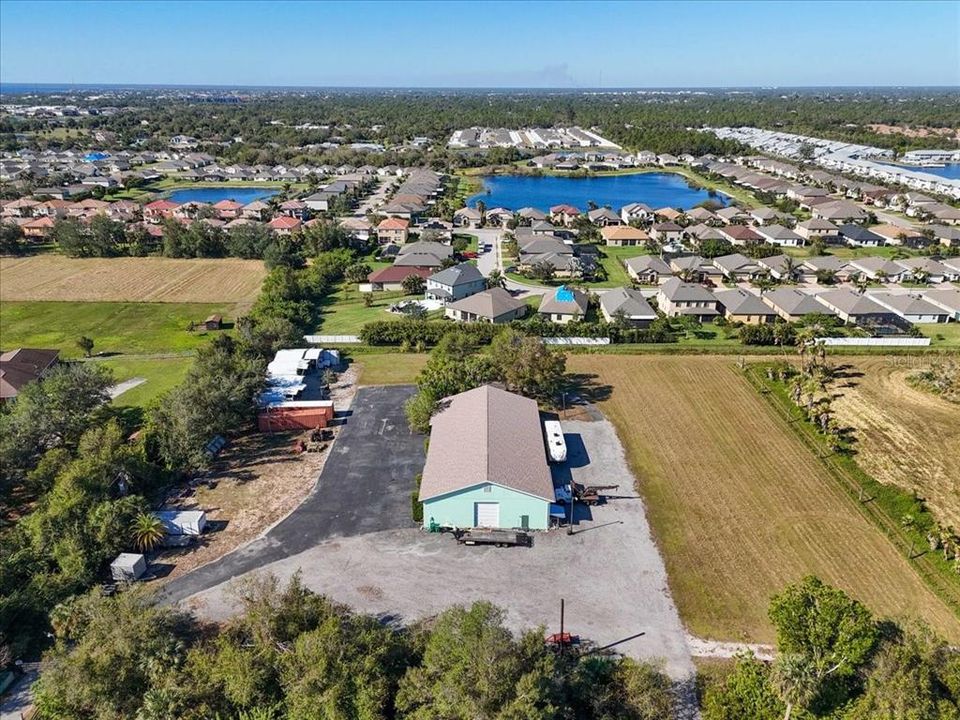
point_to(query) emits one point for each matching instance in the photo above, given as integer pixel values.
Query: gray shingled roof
(793, 302)
(457, 275)
(630, 302)
(486, 435)
(741, 302)
(489, 304)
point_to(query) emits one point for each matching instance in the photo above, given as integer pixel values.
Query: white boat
(556, 445)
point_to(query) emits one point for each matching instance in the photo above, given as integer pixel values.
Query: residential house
(947, 298)
(676, 298)
(737, 267)
(856, 309)
(495, 305)
(256, 210)
(564, 305)
(455, 282)
(912, 307)
(765, 216)
(604, 217)
(779, 235)
(666, 232)
(647, 269)
(635, 212)
(467, 217)
(925, 269)
(740, 235)
(792, 304)
(486, 464)
(37, 228)
(896, 235)
(826, 266)
(531, 214)
(859, 236)
(732, 215)
(296, 209)
(228, 209)
(947, 236)
(623, 236)
(393, 230)
(743, 306)
(284, 225)
(779, 267)
(360, 228)
(879, 269)
(391, 278)
(667, 214)
(158, 210)
(626, 305)
(842, 211)
(701, 215)
(693, 268)
(22, 366)
(816, 227)
(564, 214)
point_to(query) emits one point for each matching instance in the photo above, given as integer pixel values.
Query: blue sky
(478, 44)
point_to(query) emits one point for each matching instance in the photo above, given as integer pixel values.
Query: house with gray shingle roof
(856, 309)
(912, 307)
(495, 305)
(743, 306)
(676, 298)
(564, 305)
(647, 269)
(499, 477)
(455, 282)
(792, 304)
(628, 304)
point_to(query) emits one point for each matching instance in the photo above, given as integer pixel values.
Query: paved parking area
(364, 488)
(609, 571)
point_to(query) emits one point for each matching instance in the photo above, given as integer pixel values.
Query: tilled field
(150, 279)
(739, 506)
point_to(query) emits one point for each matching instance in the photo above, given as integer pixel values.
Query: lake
(243, 195)
(654, 189)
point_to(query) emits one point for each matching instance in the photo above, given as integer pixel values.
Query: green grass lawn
(130, 328)
(945, 336)
(344, 313)
(389, 368)
(161, 375)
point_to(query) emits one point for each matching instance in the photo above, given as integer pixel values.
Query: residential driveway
(364, 488)
(609, 572)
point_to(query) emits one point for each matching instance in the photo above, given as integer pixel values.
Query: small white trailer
(556, 445)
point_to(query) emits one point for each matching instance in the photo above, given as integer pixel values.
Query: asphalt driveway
(364, 488)
(609, 571)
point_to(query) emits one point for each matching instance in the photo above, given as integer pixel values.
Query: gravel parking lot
(609, 572)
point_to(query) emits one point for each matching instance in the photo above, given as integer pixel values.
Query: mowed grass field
(739, 506)
(115, 327)
(389, 367)
(905, 436)
(148, 279)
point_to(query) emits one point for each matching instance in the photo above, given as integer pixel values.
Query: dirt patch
(259, 480)
(905, 435)
(915, 132)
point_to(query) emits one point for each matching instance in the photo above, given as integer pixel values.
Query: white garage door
(487, 514)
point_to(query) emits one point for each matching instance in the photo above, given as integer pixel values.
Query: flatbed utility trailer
(500, 538)
(591, 494)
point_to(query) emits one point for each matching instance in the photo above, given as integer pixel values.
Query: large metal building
(486, 464)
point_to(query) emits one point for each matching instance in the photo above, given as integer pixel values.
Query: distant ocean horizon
(12, 88)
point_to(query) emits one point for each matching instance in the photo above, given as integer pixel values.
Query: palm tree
(795, 680)
(147, 532)
(789, 268)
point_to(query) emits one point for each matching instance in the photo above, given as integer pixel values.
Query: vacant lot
(115, 327)
(738, 505)
(151, 279)
(160, 375)
(390, 367)
(905, 436)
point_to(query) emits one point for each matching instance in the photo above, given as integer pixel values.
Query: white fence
(575, 341)
(332, 339)
(874, 342)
